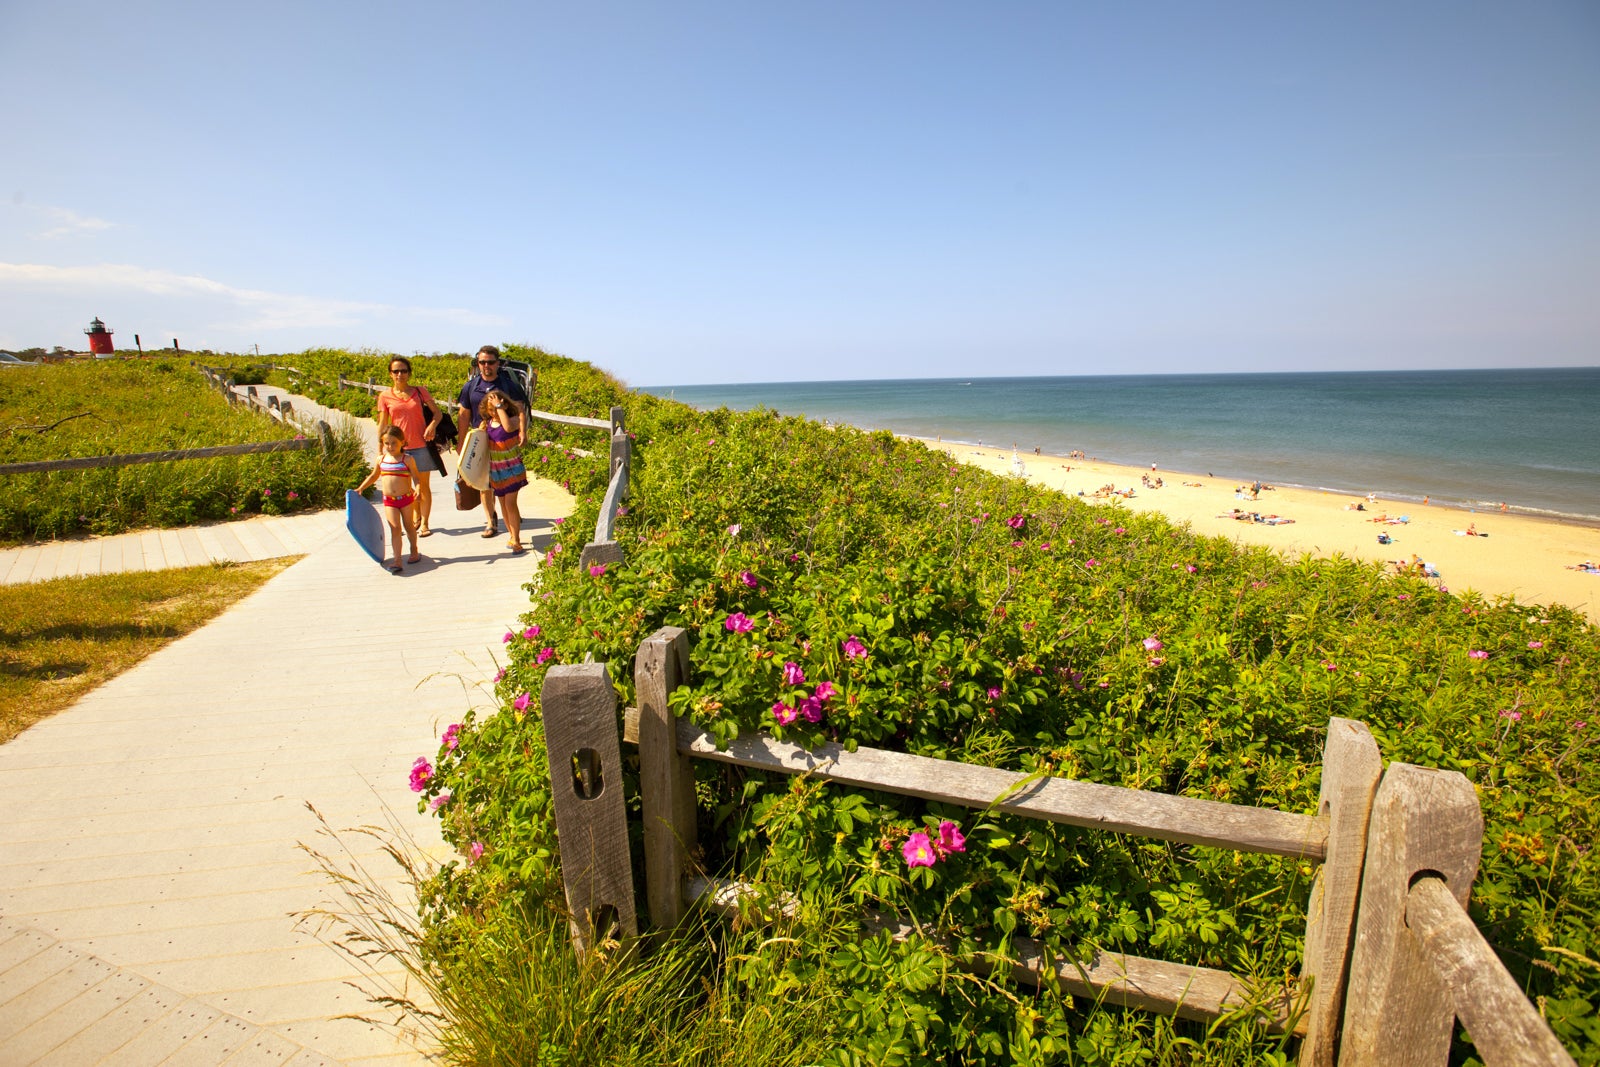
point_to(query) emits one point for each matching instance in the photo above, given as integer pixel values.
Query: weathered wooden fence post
(1398, 1012)
(580, 736)
(1351, 767)
(325, 432)
(666, 778)
(621, 449)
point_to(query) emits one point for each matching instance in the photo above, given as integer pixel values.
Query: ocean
(1464, 438)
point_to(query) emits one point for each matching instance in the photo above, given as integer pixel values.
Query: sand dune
(1515, 556)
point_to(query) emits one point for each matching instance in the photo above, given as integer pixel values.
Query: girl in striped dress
(503, 419)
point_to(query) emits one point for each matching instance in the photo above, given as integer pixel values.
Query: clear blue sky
(694, 192)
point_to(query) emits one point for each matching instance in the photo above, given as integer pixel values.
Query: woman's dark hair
(399, 359)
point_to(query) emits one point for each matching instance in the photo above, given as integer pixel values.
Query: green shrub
(963, 616)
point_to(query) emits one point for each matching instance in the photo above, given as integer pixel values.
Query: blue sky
(693, 192)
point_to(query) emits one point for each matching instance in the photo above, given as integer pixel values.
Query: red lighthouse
(99, 338)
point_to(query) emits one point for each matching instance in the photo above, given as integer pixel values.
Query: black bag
(446, 431)
(467, 497)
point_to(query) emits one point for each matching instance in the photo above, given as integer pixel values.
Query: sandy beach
(1512, 556)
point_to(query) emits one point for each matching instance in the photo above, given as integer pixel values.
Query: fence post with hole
(666, 777)
(1398, 1011)
(580, 734)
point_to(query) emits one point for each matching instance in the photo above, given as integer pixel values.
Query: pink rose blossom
(825, 691)
(507, 638)
(531, 632)
(738, 623)
(452, 737)
(810, 709)
(951, 839)
(793, 674)
(748, 579)
(421, 771)
(499, 675)
(1535, 644)
(476, 851)
(1189, 567)
(784, 713)
(1156, 661)
(521, 703)
(1152, 644)
(1477, 653)
(994, 693)
(733, 531)
(1329, 665)
(544, 655)
(1016, 522)
(596, 570)
(918, 851)
(854, 649)
(439, 801)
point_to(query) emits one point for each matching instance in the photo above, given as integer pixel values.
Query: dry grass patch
(60, 639)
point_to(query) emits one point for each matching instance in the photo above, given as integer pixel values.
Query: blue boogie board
(364, 524)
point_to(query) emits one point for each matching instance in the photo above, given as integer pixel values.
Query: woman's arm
(382, 416)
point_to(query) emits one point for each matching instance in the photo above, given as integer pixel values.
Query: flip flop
(396, 569)
(488, 531)
(516, 549)
(414, 558)
(424, 532)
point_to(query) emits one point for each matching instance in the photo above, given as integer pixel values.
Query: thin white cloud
(255, 309)
(69, 223)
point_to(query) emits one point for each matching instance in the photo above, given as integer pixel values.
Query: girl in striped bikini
(503, 419)
(396, 475)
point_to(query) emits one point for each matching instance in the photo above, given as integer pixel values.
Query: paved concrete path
(150, 873)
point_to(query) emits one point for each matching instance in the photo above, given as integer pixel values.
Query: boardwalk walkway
(149, 868)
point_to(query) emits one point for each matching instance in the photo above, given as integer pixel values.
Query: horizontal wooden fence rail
(88, 462)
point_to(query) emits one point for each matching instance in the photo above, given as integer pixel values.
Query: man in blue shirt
(488, 377)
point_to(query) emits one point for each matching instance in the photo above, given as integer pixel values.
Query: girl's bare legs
(513, 517)
(422, 510)
(411, 535)
(393, 515)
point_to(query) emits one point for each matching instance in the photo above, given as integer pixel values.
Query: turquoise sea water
(1471, 439)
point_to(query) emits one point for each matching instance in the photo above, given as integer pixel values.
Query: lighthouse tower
(99, 338)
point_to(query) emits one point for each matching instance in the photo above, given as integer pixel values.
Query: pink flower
(266, 492)
(475, 851)
(748, 579)
(1018, 544)
(918, 851)
(439, 801)
(293, 495)
(854, 649)
(1329, 665)
(1580, 724)
(596, 570)
(531, 632)
(500, 675)
(994, 693)
(521, 703)
(784, 713)
(1152, 644)
(951, 839)
(452, 737)
(507, 638)
(1477, 653)
(824, 691)
(1514, 716)
(738, 623)
(1535, 644)
(1092, 563)
(1156, 661)
(793, 674)
(1119, 529)
(421, 771)
(733, 531)
(1016, 522)
(810, 709)
(1189, 567)
(544, 654)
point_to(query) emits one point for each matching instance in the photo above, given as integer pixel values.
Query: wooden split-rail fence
(1391, 957)
(281, 412)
